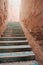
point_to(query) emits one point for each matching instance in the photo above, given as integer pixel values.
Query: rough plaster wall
(32, 14)
(5, 9)
(3, 14)
(32, 17)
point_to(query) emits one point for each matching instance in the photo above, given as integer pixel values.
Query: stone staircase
(14, 46)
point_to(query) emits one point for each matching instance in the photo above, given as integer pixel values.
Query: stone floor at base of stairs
(21, 63)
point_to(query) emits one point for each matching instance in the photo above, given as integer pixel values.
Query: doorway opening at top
(14, 10)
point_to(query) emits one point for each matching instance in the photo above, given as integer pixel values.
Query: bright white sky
(14, 10)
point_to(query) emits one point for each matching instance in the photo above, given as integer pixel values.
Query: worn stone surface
(21, 63)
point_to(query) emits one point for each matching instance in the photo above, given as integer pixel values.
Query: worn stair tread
(14, 27)
(15, 30)
(14, 34)
(7, 29)
(15, 47)
(20, 41)
(18, 34)
(16, 54)
(12, 38)
(31, 62)
(11, 43)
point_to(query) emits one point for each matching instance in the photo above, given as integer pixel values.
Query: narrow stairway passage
(14, 45)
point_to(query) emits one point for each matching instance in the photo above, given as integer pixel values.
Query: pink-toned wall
(31, 16)
(3, 14)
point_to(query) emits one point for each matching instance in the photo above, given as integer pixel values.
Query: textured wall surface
(32, 14)
(32, 17)
(3, 14)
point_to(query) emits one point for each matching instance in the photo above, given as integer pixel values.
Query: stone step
(31, 62)
(22, 42)
(10, 24)
(14, 32)
(17, 32)
(11, 38)
(12, 27)
(4, 49)
(14, 24)
(15, 27)
(17, 56)
(18, 35)
(7, 29)
(13, 35)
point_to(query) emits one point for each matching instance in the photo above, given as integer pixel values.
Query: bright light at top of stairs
(14, 8)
